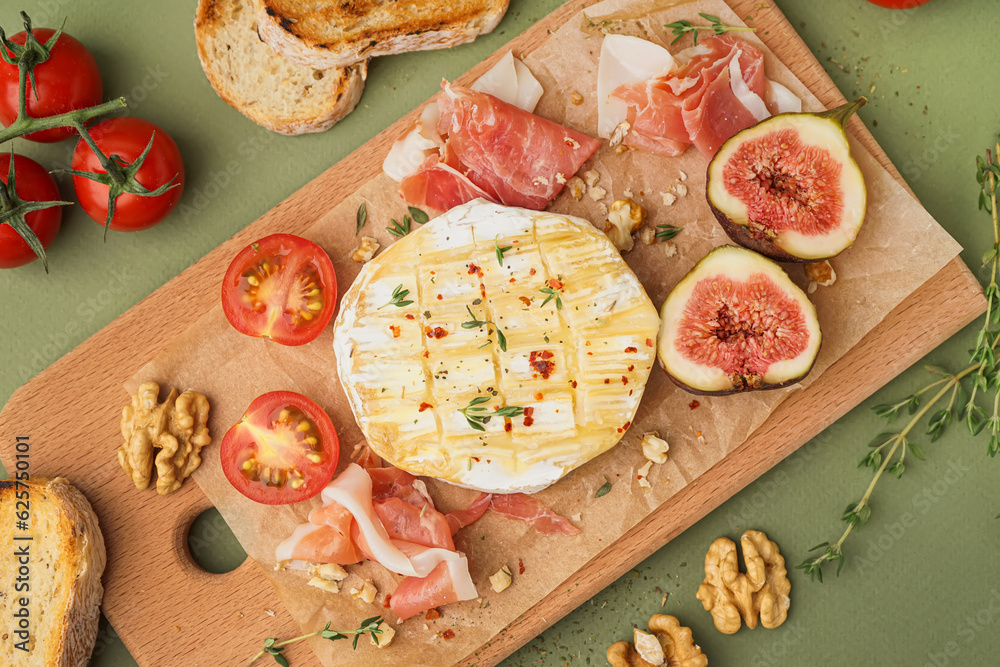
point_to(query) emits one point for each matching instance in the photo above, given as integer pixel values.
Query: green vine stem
(119, 175)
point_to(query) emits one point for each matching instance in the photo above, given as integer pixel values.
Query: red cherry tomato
(33, 183)
(899, 4)
(127, 138)
(281, 287)
(283, 450)
(67, 81)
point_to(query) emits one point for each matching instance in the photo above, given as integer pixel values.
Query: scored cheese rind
(407, 388)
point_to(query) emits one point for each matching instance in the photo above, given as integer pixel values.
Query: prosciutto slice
(485, 147)
(385, 515)
(716, 89)
(533, 512)
(459, 519)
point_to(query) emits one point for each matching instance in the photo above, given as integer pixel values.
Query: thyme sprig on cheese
(478, 416)
(398, 298)
(553, 288)
(500, 250)
(477, 324)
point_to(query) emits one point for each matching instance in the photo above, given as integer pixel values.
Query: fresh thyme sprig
(553, 289)
(500, 250)
(888, 450)
(362, 217)
(403, 228)
(398, 298)
(273, 647)
(478, 416)
(477, 324)
(667, 232)
(681, 28)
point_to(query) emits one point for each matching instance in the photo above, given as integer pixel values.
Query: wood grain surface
(70, 412)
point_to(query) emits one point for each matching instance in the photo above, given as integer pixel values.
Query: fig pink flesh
(786, 184)
(741, 327)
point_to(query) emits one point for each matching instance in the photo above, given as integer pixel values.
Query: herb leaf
(272, 647)
(478, 416)
(399, 229)
(603, 490)
(418, 216)
(362, 217)
(398, 298)
(500, 250)
(681, 28)
(667, 232)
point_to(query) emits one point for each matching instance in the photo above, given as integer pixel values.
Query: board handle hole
(212, 545)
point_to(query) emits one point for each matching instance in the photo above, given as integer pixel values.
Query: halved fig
(737, 323)
(788, 187)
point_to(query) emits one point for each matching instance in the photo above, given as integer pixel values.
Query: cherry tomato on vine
(284, 449)
(281, 287)
(899, 4)
(33, 183)
(67, 81)
(126, 138)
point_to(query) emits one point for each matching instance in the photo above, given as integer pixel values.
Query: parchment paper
(899, 248)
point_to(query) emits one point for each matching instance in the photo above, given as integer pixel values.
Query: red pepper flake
(432, 614)
(693, 405)
(630, 391)
(538, 396)
(631, 350)
(541, 361)
(624, 380)
(520, 566)
(424, 406)
(531, 272)
(631, 368)
(528, 421)
(649, 342)
(395, 329)
(525, 300)
(436, 332)
(427, 354)
(587, 343)
(508, 426)
(387, 600)
(555, 284)
(440, 297)
(475, 270)
(513, 280)
(607, 380)
(624, 427)
(573, 384)
(448, 634)
(409, 317)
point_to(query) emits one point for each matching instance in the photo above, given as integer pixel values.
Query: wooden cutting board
(70, 413)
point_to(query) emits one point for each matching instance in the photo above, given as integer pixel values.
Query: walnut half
(676, 647)
(731, 595)
(178, 427)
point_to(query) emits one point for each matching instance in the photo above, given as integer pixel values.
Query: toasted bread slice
(272, 91)
(61, 569)
(333, 33)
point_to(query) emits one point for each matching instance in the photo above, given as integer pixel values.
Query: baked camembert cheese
(496, 348)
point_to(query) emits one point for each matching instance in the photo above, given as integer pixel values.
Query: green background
(920, 586)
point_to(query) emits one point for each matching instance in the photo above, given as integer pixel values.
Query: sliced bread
(55, 575)
(335, 33)
(270, 90)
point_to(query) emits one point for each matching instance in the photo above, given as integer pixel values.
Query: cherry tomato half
(67, 81)
(283, 450)
(281, 287)
(899, 4)
(33, 183)
(127, 138)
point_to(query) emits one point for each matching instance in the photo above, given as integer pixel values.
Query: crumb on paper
(384, 639)
(683, 176)
(643, 475)
(821, 273)
(647, 235)
(654, 448)
(576, 99)
(324, 585)
(365, 250)
(591, 177)
(367, 592)
(627, 194)
(576, 517)
(501, 580)
(603, 208)
(576, 187)
(619, 133)
(668, 198)
(597, 193)
(670, 248)
(679, 189)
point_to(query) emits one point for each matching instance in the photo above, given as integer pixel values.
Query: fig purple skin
(788, 187)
